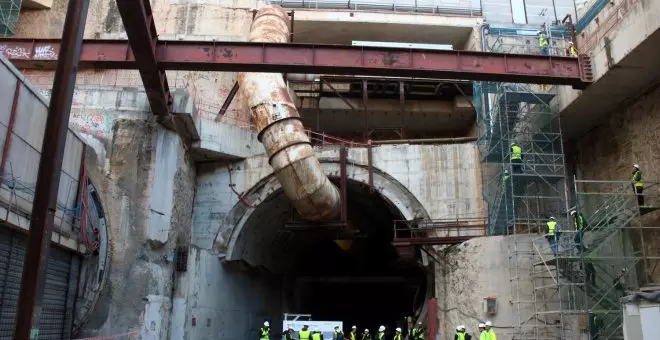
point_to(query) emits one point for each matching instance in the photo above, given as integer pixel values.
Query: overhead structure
(281, 131)
(311, 58)
(9, 12)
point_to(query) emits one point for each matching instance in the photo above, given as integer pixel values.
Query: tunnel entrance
(361, 280)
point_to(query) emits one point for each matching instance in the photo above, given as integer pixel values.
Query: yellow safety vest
(579, 222)
(316, 336)
(551, 229)
(303, 335)
(516, 152)
(483, 335)
(397, 336)
(460, 335)
(353, 335)
(572, 51)
(491, 335)
(543, 41)
(264, 334)
(381, 336)
(637, 178)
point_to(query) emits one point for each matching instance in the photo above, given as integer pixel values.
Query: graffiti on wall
(92, 123)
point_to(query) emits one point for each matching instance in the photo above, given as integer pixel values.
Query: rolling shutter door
(59, 294)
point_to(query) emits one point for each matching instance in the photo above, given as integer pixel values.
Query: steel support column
(10, 129)
(343, 182)
(228, 100)
(302, 58)
(48, 177)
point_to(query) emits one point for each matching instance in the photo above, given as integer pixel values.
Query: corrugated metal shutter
(60, 288)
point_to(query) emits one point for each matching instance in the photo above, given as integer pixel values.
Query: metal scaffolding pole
(48, 178)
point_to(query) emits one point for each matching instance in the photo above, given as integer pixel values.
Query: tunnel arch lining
(389, 188)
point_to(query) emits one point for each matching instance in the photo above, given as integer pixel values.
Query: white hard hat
(481, 325)
(354, 327)
(419, 322)
(636, 166)
(570, 43)
(552, 217)
(488, 323)
(267, 324)
(366, 330)
(458, 328)
(398, 329)
(291, 327)
(573, 212)
(513, 143)
(381, 328)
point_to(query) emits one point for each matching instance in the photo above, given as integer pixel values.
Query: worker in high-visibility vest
(381, 333)
(366, 335)
(288, 334)
(461, 334)
(516, 158)
(417, 333)
(352, 335)
(397, 334)
(571, 50)
(544, 44)
(552, 235)
(338, 334)
(490, 331)
(483, 335)
(305, 333)
(264, 332)
(317, 335)
(638, 184)
(580, 224)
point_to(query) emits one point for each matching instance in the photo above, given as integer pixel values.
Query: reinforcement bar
(311, 58)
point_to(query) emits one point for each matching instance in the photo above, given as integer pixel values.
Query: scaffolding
(575, 293)
(9, 11)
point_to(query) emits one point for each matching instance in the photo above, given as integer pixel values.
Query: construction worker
(516, 158)
(490, 331)
(338, 334)
(264, 332)
(352, 335)
(317, 335)
(288, 334)
(544, 44)
(461, 334)
(397, 334)
(366, 335)
(305, 333)
(638, 184)
(417, 333)
(483, 335)
(381, 333)
(571, 51)
(552, 235)
(579, 222)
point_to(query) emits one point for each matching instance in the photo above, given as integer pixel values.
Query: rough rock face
(143, 159)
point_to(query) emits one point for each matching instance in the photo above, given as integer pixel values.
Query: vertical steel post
(10, 128)
(343, 182)
(48, 178)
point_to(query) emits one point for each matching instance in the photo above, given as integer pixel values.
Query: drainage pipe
(281, 131)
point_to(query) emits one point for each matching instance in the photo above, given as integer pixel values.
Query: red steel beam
(143, 40)
(309, 58)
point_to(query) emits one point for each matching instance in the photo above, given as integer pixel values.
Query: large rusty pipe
(281, 131)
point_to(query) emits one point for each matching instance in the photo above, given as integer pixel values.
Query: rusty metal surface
(31, 294)
(281, 131)
(223, 56)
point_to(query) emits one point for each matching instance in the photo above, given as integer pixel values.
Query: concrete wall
(21, 162)
(445, 179)
(480, 268)
(145, 176)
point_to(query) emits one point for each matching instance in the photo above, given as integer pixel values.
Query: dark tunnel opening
(364, 283)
